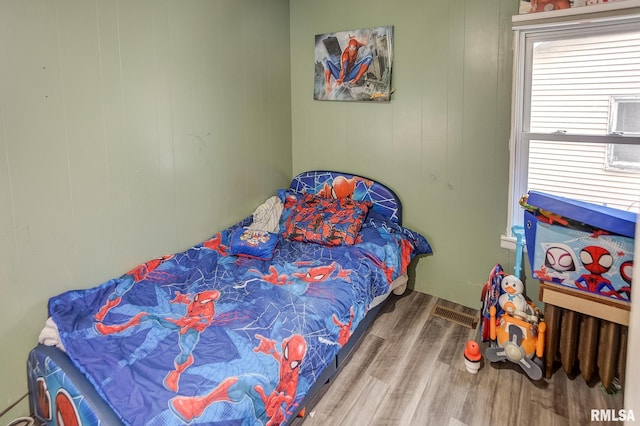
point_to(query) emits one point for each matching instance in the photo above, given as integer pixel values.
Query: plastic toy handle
(542, 328)
(518, 232)
(492, 323)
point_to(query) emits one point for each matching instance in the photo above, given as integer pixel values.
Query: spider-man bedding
(236, 330)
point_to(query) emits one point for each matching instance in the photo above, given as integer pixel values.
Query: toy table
(586, 328)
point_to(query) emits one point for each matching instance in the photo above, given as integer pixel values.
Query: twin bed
(243, 328)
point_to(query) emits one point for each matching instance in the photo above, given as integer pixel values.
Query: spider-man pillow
(323, 220)
(289, 200)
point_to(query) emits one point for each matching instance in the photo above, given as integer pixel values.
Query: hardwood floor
(409, 370)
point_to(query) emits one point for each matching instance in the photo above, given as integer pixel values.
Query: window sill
(576, 11)
(509, 242)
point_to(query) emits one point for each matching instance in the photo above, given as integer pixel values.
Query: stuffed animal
(513, 298)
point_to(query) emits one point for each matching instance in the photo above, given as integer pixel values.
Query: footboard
(60, 395)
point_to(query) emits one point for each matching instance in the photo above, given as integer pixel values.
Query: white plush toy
(513, 298)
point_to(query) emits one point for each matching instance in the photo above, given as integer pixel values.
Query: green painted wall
(128, 130)
(442, 141)
(117, 119)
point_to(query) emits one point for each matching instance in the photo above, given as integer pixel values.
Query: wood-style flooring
(409, 370)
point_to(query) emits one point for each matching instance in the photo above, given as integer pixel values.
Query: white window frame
(524, 37)
(614, 107)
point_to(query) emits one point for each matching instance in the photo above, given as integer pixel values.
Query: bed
(243, 328)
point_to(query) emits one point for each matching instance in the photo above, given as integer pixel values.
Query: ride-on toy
(519, 338)
(516, 331)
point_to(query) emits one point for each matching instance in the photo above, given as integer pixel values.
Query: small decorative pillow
(255, 244)
(324, 220)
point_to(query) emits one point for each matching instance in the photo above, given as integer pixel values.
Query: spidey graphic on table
(597, 261)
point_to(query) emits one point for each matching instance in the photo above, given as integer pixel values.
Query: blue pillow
(255, 244)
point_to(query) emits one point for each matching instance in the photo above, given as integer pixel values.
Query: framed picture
(354, 65)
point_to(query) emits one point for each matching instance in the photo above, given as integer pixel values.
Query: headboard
(331, 184)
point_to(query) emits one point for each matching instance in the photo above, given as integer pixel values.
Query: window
(625, 115)
(624, 119)
(576, 112)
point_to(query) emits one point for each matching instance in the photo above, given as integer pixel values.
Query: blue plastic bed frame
(52, 375)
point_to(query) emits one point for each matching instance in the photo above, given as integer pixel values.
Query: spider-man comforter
(203, 337)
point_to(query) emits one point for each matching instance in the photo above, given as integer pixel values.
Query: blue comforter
(202, 336)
